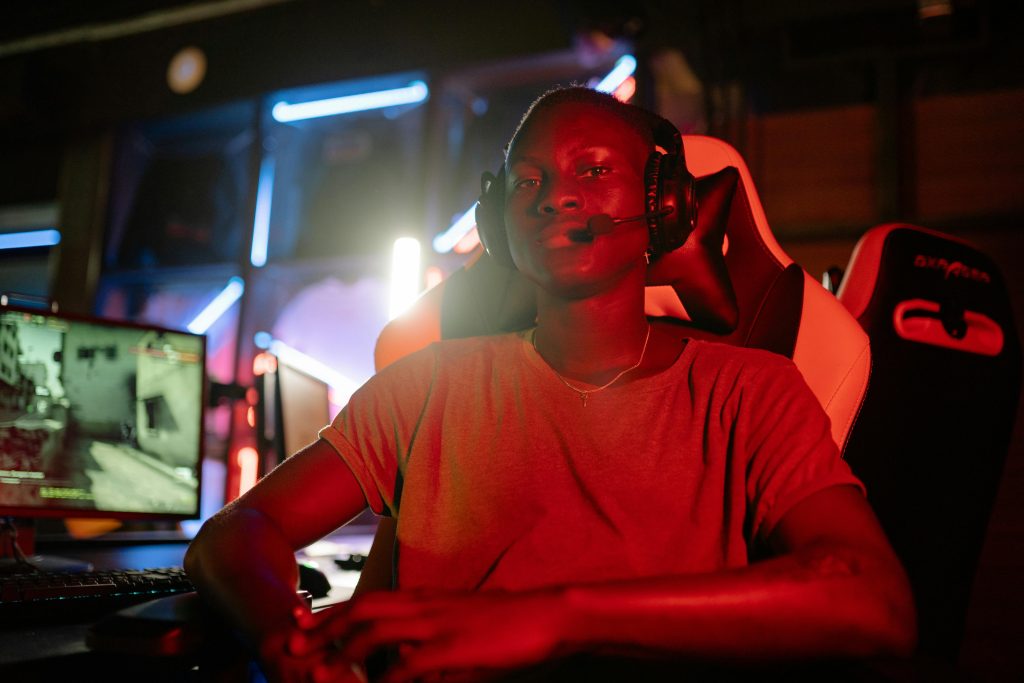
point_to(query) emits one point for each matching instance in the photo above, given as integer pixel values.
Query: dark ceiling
(67, 65)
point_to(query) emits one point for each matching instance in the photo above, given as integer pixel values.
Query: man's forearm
(243, 564)
(819, 602)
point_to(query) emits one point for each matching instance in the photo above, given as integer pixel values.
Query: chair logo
(951, 269)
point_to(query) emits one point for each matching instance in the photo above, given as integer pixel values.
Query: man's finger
(363, 642)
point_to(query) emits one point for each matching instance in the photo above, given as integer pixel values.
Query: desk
(44, 652)
(59, 653)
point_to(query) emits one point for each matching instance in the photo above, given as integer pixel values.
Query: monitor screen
(304, 405)
(99, 418)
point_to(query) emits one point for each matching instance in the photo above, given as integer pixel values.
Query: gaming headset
(669, 194)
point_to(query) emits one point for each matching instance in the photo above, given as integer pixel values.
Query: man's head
(641, 121)
(575, 155)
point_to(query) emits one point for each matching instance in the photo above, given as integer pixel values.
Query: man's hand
(472, 634)
(281, 665)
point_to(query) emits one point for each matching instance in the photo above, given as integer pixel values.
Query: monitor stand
(20, 534)
(43, 563)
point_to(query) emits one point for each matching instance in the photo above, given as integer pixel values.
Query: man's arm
(377, 573)
(835, 590)
(243, 558)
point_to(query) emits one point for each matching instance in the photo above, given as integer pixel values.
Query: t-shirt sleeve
(373, 433)
(789, 446)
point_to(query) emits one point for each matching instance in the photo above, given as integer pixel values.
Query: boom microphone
(602, 224)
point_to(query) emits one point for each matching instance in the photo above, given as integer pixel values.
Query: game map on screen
(98, 416)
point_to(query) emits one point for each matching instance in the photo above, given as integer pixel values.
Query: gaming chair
(780, 307)
(935, 427)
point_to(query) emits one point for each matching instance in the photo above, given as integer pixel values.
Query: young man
(595, 485)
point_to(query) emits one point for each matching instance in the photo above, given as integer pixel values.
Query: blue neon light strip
(342, 385)
(447, 240)
(413, 93)
(261, 222)
(624, 67)
(216, 308)
(29, 239)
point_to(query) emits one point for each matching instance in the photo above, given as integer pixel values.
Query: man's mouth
(580, 235)
(559, 235)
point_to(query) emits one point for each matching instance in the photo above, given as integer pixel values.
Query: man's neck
(594, 338)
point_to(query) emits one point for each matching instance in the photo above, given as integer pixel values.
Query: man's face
(572, 162)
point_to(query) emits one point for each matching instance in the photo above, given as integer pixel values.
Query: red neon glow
(250, 416)
(248, 461)
(626, 90)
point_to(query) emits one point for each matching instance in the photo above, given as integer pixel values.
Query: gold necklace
(585, 393)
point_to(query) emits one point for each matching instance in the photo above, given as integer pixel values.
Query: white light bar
(29, 239)
(342, 385)
(216, 308)
(261, 222)
(446, 241)
(411, 94)
(623, 69)
(405, 275)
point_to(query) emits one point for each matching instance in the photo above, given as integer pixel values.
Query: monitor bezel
(76, 513)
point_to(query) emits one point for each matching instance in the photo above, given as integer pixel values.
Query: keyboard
(58, 596)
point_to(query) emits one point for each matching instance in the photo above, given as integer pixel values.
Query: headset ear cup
(675, 190)
(678, 197)
(652, 201)
(490, 222)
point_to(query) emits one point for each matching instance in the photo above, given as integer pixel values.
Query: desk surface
(59, 651)
(33, 643)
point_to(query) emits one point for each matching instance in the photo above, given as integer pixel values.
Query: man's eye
(597, 171)
(526, 183)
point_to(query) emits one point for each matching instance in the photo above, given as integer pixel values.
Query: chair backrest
(934, 430)
(781, 307)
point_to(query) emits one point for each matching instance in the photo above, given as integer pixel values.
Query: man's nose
(560, 197)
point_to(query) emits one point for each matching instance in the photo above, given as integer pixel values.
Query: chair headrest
(937, 289)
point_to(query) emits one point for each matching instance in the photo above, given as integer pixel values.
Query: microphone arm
(602, 224)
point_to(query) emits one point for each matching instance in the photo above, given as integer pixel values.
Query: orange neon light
(248, 465)
(264, 363)
(626, 90)
(468, 242)
(433, 277)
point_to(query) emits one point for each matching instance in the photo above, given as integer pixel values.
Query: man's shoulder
(719, 354)
(481, 348)
(450, 354)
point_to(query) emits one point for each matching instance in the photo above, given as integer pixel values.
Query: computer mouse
(313, 580)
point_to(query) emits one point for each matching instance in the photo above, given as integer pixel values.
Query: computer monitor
(296, 407)
(305, 407)
(99, 418)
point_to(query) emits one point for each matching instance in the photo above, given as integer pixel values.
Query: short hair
(640, 120)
